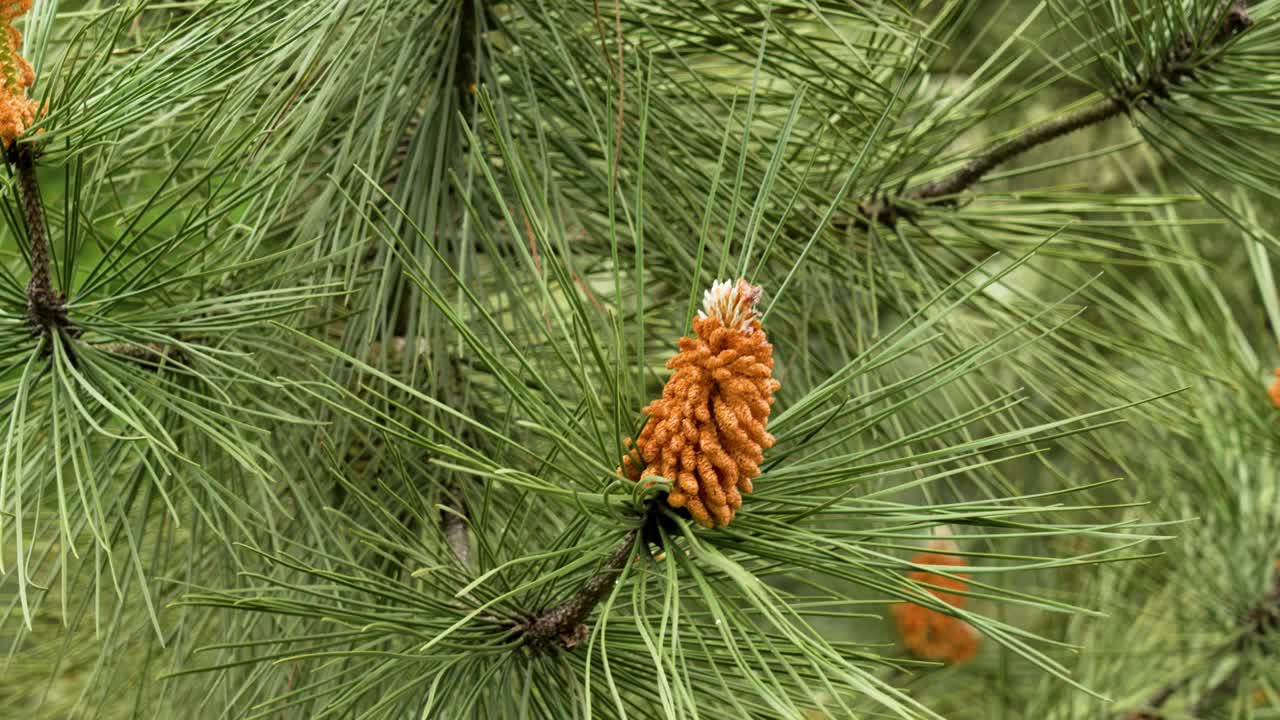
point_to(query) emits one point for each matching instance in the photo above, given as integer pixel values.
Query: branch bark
(1175, 69)
(977, 168)
(564, 625)
(46, 308)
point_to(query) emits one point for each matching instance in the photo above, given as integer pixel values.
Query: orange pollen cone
(1274, 390)
(706, 434)
(17, 111)
(928, 633)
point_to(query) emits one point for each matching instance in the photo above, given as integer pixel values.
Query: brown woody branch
(46, 308)
(1178, 67)
(976, 169)
(564, 625)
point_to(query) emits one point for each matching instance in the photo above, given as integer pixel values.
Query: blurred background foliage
(397, 170)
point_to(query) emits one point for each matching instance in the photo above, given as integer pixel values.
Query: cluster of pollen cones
(706, 434)
(927, 633)
(17, 111)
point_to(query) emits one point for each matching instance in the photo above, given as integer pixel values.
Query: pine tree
(792, 359)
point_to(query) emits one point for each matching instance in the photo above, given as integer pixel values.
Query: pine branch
(453, 522)
(474, 15)
(1262, 619)
(1177, 68)
(46, 308)
(151, 356)
(976, 169)
(563, 625)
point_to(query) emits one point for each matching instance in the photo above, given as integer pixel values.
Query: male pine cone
(17, 111)
(928, 633)
(706, 434)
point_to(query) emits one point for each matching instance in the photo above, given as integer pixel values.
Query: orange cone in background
(706, 434)
(927, 633)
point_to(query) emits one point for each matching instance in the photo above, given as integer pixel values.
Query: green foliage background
(410, 264)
